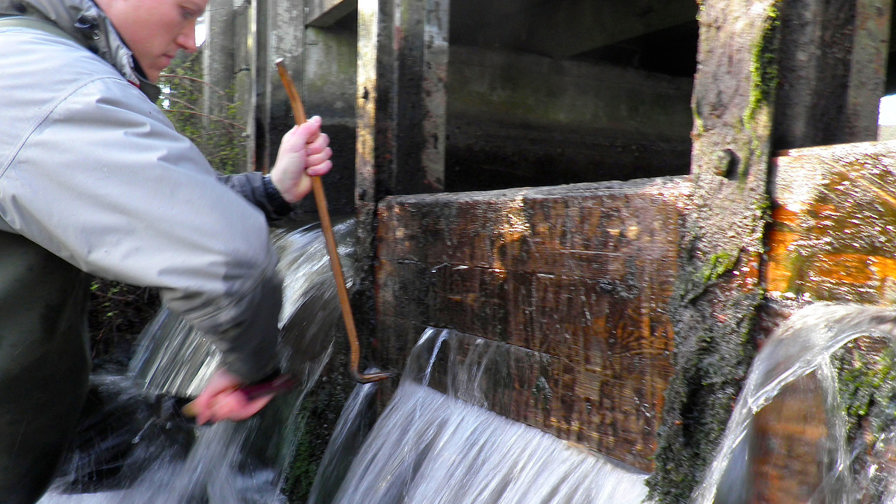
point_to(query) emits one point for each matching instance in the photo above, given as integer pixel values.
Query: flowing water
(804, 347)
(438, 441)
(430, 447)
(136, 449)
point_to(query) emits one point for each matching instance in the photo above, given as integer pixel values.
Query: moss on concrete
(764, 67)
(866, 370)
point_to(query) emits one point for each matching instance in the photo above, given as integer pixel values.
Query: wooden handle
(320, 200)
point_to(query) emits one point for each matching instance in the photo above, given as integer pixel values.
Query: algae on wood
(715, 308)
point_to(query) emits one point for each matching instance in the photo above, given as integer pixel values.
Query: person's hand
(222, 399)
(304, 153)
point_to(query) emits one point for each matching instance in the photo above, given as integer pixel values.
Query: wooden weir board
(833, 236)
(581, 273)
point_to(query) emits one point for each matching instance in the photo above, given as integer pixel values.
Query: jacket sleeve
(261, 192)
(105, 182)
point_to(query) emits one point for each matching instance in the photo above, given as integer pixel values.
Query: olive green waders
(44, 364)
(44, 356)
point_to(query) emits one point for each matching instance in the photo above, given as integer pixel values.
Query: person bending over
(94, 180)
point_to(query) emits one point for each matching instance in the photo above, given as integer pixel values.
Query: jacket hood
(84, 21)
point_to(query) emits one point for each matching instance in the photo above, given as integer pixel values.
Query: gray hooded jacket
(92, 171)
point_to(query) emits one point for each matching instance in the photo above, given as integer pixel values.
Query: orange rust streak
(850, 268)
(779, 275)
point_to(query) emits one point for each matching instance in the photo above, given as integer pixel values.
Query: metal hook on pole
(321, 201)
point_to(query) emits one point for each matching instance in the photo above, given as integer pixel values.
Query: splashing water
(145, 455)
(182, 361)
(429, 447)
(438, 441)
(803, 346)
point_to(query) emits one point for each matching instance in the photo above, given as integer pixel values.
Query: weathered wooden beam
(831, 238)
(581, 274)
(401, 74)
(403, 64)
(719, 289)
(324, 13)
(372, 146)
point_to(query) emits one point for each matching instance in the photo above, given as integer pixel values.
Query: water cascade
(801, 357)
(135, 449)
(440, 438)
(445, 446)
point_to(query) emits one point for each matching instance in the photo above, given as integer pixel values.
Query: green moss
(303, 465)
(764, 67)
(699, 126)
(712, 359)
(867, 388)
(718, 265)
(867, 392)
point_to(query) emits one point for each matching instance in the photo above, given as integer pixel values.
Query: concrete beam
(323, 13)
(570, 28)
(563, 29)
(833, 63)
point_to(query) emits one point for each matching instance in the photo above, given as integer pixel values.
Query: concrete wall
(523, 120)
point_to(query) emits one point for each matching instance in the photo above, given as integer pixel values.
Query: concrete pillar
(839, 49)
(219, 51)
(284, 22)
(719, 291)
(407, 44)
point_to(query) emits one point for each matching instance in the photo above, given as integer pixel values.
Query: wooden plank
(835, 211)
(580, 274)
(369, 147)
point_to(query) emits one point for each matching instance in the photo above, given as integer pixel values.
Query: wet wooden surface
(789, 444)
(833, 236)
(581, 274)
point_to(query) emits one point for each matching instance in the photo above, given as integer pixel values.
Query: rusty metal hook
(321, 201)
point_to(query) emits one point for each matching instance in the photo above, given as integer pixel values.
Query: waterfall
(181, 360)
(803, 347)
(431, 447)
(134, 448)
(440, 440)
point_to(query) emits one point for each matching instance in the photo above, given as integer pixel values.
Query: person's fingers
(320, 169)
(309, 130)
(321, 157)
(236, 406)
(318, 144)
